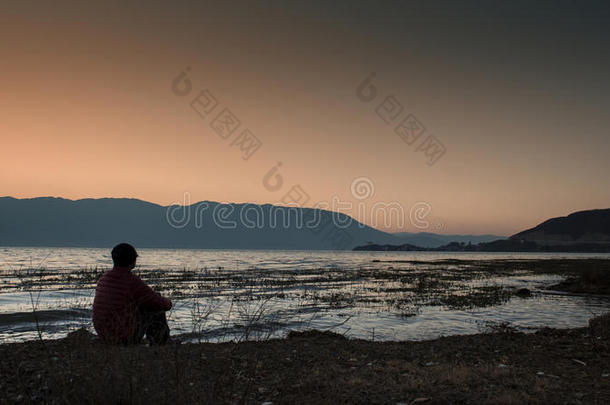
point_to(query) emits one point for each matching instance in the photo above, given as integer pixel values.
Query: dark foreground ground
(550, 367)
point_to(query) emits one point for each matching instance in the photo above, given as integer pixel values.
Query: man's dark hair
(124, 255)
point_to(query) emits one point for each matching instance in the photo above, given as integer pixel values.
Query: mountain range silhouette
(51, 221)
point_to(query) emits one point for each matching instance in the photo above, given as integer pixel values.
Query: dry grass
(600, 326)
(315, 367)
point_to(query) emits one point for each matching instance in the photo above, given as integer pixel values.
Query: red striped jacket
(118, 297)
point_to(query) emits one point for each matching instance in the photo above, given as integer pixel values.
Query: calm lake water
(251, 294)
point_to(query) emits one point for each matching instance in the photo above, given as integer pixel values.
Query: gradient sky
(518, 93)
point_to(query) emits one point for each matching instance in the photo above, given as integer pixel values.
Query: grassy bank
(502, 367)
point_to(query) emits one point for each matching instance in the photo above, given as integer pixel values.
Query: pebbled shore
(551, 366)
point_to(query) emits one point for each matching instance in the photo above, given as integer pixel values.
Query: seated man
(125, 308)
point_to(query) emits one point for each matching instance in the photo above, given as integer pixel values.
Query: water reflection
(369, 295)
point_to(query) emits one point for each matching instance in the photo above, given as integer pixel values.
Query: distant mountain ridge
(51, 221)
(583, 231)
(591, 226)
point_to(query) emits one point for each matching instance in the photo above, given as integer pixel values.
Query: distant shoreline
(499, 246)
(363, 248)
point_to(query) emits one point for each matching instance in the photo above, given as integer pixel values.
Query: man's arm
(147, 298)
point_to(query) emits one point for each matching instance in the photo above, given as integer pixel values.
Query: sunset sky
(517, 92)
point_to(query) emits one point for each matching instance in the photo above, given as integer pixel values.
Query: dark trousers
(153, 324)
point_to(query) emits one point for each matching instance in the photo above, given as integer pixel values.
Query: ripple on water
(66, 306)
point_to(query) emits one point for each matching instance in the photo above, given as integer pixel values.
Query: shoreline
(504, 367)
(404, 288)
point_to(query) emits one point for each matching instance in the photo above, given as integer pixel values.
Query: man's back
(119, 296)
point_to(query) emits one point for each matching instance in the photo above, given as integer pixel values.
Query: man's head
(124, 255)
